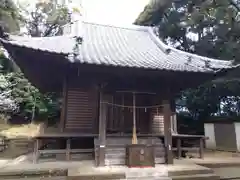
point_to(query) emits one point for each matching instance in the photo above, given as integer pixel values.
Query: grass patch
(19, 138)
(25, 130)
(15, 131)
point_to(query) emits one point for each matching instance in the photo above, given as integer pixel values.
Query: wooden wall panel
(120, 119)
(82, 110)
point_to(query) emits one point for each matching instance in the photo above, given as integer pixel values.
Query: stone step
(98, 177)
(123, 161)
(109, 162)
(160, 160)
(196, 177)
(116, 149)
(190, 172)
(149, 178)
(114, 156)
(126, 140)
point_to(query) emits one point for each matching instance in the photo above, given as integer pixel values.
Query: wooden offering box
(140, 155)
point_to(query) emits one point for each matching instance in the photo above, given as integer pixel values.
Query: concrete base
(30, 170)
(181, 170)
(213, 162)
(177, 171)
(33, 174)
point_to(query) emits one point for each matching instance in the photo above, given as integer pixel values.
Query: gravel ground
(228, 173)
(43, 178)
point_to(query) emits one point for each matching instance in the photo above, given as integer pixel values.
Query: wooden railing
(179, 148)
(3, 143)
(198, 140)
(68, 137)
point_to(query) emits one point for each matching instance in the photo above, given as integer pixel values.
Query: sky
(113, 11)
(122, 12)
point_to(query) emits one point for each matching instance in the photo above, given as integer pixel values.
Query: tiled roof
(134, 46)
(55, 44)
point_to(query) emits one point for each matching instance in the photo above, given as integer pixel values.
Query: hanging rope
(131, 107)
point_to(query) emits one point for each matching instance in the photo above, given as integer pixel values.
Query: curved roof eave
(137, 47)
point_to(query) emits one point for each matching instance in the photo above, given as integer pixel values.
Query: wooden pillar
(167, 131)
(122, 128)
(174, 117)
(102, 130)
(36, 150)
(201, 148)
(64, 105)
(134, 135)
(68, 149)
(179, 148)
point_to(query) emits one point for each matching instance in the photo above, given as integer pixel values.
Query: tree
(46, 19)
(7, 104)
(8, 17)
(204, 27)
(153, 12)
(32, 103)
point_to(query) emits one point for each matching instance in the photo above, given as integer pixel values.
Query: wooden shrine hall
(118, 84)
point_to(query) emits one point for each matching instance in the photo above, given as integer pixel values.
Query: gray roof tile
(56, 44)
(133, 46)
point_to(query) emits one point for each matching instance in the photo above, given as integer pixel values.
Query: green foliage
(8, 16)
(215, 25)
(221, 98)
(33, 104)
(188, 125)
(7, 103)
(46, 19)
(153, 12)
(205, 27)
(203, 101)
(6, 64)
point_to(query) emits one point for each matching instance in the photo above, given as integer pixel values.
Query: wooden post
(68, 148)
(179, 148)
(102, 130)
(167, 131)
(134, 135)
(122, 115)
(64, 105)
(36, 151)
(201, 148)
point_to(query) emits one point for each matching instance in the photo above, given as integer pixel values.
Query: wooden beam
(64, 105)
(167, 131)
(102, 130)
(64, 151)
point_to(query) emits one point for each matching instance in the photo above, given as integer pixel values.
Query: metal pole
(134, 138)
